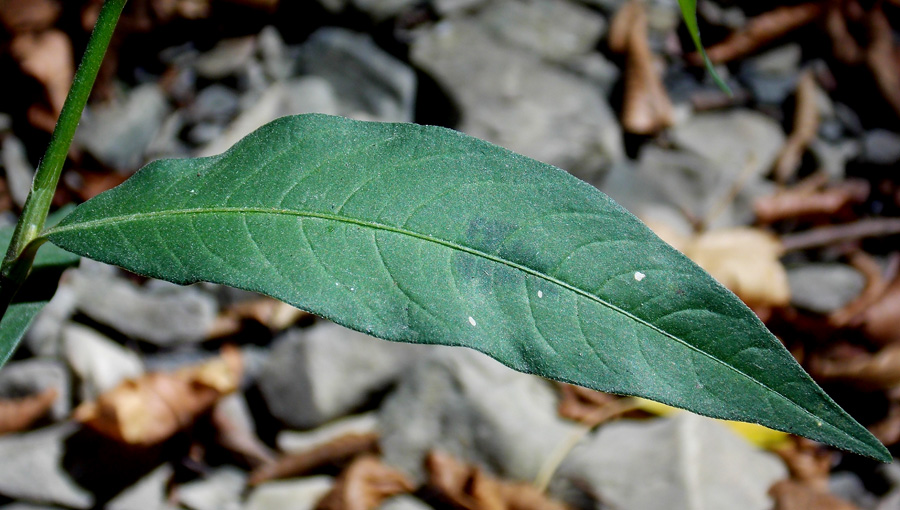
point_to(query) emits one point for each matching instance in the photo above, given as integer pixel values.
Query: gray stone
(833, 157)
(304, 95)
(99, 363)
(847, 486)
(595, 68)
(404, 502)
(369, 82)
(772, 76)
(466, 404)
(216, 103)
(29, 377)
(166, 315)
(19, 172)
(825, 287)
(301, 494)
(686, 461)
(119, 133)
(881, 147)
(227, 58)
(383, 9)
(674, 180)
(274, 54)
(449, 7)
(31, 468)
(219, 490)
(44, 337)
(514, 99)
(321, 373)
(149, 493)
(293, 441)
(556, 30)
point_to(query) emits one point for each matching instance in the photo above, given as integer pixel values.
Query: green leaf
(423, 234)
(689, 13)
(49, 263)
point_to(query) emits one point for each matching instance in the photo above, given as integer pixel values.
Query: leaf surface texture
(423, 234)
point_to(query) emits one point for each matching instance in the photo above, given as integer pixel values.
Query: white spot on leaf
(639, 275)
(472, 321)
(540, 294)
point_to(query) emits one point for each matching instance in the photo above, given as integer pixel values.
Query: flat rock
(825, 287)
(99, 363)
(510, 96)
(162, 313)
(31, 468)
(149, 493)
(687, 461)
(404, 502)
(466, 404)
(219, 490)
(552, 29)
(881, 147)
(228, 57)
(26, 378)
(18, 170)
(317, 374)
(369, 82)
(119, 133)
(300, 494)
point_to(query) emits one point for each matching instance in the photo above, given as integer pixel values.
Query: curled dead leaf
(791, 495)
(879, 321)
(882, 57)
(809, 466)
(801, 202)
(152, 408)
(806, 125)
(271, 313)
(337, 451)
(364, 485)
(19, 16)
(47, 57)
(877, 371)
(876, 285)
(762, 30)
(469, 488)
(19, 414)
(646, 107)
(746, 260)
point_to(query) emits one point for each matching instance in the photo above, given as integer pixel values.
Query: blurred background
(787, 190)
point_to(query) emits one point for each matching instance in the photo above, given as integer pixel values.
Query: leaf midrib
(114, 220)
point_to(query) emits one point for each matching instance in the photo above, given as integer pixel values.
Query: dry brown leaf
(151, 409)
(888, 429)
(19, 414)
(47, 57)
(843, 45)
(275, 315)
(876, 286)
(166, 10)
(336, 451)
(746, 260)
(806, 125)
(879, 321)
(364, 485)
(646, 108)
(469, 488)
(239, 439)
(20, 16)
(809, 466)
(791, 495)
(801, 202)
(882, 57)
(844, 233)
(878, 371)
(760, 31)
(581, 404)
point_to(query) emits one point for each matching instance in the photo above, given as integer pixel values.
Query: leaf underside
(423, 234)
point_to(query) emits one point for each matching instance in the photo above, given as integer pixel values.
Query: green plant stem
(20, 255)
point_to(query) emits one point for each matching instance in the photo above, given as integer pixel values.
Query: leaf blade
(422, 234)
(689, 14)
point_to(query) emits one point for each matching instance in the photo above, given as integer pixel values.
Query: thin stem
(19, 257)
